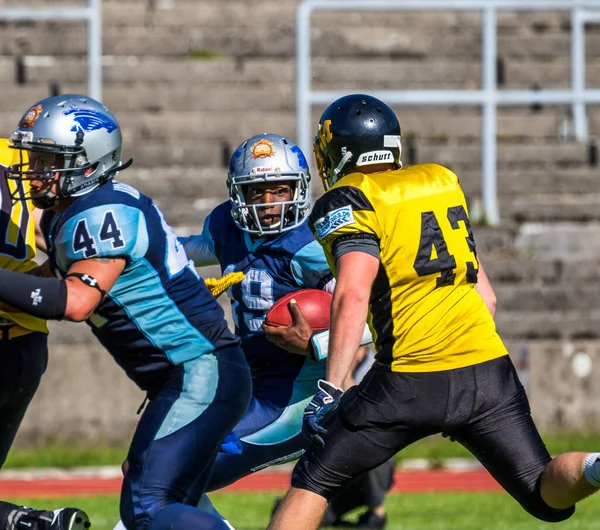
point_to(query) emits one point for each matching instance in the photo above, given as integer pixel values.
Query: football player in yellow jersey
(401, 247)
(23, 349)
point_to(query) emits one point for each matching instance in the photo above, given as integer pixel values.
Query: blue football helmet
(72, 136)
(356, 131)
(268, 158)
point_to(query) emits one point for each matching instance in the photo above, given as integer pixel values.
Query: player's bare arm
(358, 359)
(356, 274)
(86, 281)
(485, 290)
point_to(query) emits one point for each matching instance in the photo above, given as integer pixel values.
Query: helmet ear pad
(355, 132)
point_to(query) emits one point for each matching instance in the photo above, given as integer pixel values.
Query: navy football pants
(177, 440)
(270, 431)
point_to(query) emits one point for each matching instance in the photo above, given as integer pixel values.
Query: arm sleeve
(356, 243)
(41, 297)
(201, 248)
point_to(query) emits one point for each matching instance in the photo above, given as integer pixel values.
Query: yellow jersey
(424, 311)
(17, 237)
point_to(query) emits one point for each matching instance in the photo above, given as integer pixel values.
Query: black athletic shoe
(70, 519)
(62, 519)
(370, 521)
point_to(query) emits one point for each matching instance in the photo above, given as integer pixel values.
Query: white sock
(591, 469)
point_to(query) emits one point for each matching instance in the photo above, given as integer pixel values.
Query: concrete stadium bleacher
(187, 84)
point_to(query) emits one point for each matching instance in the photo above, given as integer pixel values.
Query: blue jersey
(159, 312)
(273, 267)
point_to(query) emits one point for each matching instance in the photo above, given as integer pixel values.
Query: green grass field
(428, 511)
(416, 511)
(434, 449)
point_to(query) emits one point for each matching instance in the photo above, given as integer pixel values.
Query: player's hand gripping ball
(294, 318)
(314, 304)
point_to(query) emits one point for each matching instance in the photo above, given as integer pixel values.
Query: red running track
(406, 481)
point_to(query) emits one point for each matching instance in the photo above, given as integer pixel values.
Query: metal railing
(92, 14)
(489, 97)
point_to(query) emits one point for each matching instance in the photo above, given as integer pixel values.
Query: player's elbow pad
(40, 297)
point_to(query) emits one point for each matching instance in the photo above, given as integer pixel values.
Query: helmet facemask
(43, 161)
(327, 172)
(247, 215)
(321, 161)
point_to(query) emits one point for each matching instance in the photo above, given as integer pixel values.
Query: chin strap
(125, 165)
(111, 174)
(46, 201)
(345, 159)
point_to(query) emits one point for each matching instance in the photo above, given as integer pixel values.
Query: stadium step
(234, 33)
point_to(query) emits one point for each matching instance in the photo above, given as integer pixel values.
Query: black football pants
(484, 407)
(23, 360)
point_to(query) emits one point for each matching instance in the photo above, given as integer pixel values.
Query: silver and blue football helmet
(268, 158)
(81, 133)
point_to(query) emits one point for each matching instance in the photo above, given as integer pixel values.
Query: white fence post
(489, 97)
(91, 14)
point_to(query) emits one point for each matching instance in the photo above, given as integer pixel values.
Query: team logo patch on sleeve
(333, 221)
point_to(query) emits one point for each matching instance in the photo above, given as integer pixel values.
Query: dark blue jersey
(273, 267)
(159, 312)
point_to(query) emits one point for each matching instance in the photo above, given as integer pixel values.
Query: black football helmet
(355, 131)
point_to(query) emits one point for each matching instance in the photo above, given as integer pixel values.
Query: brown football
(315, 306)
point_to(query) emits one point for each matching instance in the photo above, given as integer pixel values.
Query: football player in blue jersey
(262, 232)
(115, 263)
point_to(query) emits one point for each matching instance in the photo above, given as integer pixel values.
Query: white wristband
(319, 346)
(319, 343)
